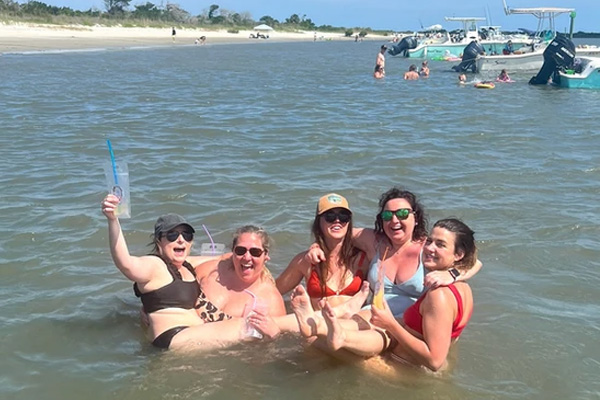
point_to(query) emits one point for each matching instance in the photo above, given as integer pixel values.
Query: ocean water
(229, 135)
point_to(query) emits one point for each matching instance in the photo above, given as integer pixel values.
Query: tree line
(169, 13)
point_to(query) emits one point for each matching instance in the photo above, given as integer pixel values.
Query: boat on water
(563, 67)
(438, 44)
(442, 45)
(530, 57)
(584, 75)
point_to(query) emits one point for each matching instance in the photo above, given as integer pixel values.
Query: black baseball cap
(168, 222)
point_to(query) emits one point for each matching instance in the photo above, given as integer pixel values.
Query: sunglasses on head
(401, 214)
(254, 251)
(173, 235)
(342, 216)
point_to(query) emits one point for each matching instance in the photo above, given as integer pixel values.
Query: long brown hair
(347, 254)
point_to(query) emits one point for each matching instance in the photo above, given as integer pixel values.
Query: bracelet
(454, 273)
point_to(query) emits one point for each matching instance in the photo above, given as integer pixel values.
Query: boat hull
(513, 62)
(588, 78)
(442, 50)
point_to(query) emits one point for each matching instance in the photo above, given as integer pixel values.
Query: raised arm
(297, 269)
(137, 269)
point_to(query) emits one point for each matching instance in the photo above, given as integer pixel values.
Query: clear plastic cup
(249, 309)
(119, 186)
(212, 249)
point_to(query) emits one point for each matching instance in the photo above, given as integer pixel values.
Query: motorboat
(585, 74)
(444, 45)
(530, 57)
(563, 67)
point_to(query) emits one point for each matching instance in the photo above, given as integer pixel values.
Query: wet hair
(412, 67)
(420, 230)
(347, 253)
(464, 241)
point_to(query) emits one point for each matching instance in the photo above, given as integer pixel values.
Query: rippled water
(236, 134)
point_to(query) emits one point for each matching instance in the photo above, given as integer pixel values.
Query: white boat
(530, 57)
(441, 45)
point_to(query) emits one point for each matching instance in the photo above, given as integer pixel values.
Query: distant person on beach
(380, 61)
(173, 33)
(424, 71)
(412, 73)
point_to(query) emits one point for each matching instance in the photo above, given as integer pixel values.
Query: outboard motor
(560, 53)
(407, 43)
(469, 57)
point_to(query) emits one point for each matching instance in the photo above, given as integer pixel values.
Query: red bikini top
(314, 290)
(414, 320)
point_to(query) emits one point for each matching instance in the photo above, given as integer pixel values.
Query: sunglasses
(401, 214)
(173, 235)
(254, 251)
(332, 216)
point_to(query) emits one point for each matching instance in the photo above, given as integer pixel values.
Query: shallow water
(233, 134)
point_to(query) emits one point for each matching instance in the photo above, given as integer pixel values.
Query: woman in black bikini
(167, 285)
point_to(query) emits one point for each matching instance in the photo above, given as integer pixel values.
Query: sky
(395, 15)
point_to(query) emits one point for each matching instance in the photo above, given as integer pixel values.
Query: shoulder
(206, 268)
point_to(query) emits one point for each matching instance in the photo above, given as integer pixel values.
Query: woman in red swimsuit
(340, 276)
(430, 326)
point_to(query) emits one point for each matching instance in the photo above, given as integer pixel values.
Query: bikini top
(177, 294)
(314, 289)
(414, 320)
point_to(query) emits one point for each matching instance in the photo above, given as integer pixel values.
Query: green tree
(294, 19)
(268, 20)
(147, 11)
(211, 11)
(116, 6)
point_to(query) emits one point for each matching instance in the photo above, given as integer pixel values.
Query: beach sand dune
(22, 37)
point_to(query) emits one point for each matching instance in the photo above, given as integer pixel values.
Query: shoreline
(20, 38)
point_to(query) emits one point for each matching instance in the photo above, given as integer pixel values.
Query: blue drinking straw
(212, 243)
(112, 161)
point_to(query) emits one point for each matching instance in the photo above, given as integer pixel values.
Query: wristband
(454, 273)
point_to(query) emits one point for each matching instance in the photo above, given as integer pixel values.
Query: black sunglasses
(343, 216)
(173, 235)
(254, 251)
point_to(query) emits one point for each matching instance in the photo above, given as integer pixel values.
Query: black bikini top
(177, 294)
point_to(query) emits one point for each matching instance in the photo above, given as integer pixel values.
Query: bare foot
(335, 333)
(353, 306)
(304, 312)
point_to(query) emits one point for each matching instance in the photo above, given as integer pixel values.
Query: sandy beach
(22, 37)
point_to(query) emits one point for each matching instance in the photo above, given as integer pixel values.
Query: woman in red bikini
(340, 276)
(428, 328)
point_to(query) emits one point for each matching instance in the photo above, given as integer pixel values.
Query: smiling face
(178, 250)
(336, 229)
(247, 267)
(439, 252)
(397, 230)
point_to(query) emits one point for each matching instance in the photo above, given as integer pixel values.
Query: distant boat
(528, 58)
(441, 45)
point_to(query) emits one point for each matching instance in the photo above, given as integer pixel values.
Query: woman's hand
(436, 279)
(264, 323)
(315, 255)
(382, 318)
(109, 206)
